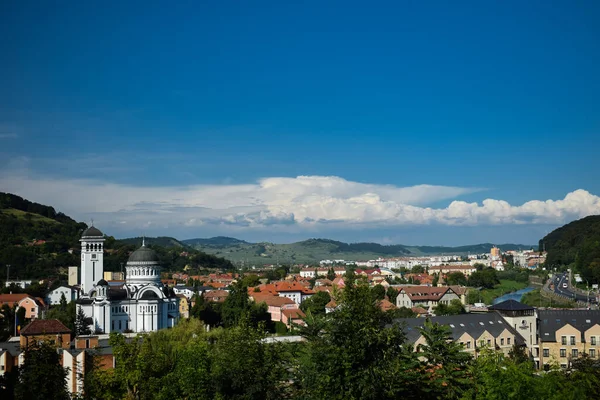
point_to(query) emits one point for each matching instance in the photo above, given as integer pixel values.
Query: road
(562, 286)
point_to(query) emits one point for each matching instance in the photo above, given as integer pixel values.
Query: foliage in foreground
(356, 352)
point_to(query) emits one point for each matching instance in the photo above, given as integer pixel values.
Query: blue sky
(169, 104)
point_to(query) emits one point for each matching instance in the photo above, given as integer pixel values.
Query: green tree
(82, 326)
(417, 269)
(454, 308)
(41, 376)
(331, 274)
(316, 303)
(356, 353)
(378, 292)
(456, 278)
(485, 278)
(392, 294)
(445, 364)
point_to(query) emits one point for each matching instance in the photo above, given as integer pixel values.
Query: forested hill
(576, 244)
(314, 250)
(35, 241)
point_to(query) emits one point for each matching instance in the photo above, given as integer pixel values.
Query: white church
(141, 304)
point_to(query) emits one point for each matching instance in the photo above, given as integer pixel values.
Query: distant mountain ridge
(314, 250)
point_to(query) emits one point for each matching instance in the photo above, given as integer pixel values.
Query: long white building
(142, 304)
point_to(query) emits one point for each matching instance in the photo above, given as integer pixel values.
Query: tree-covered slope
(35, 241)
(577, 243)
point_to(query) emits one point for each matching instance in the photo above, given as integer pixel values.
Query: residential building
(53, 297)
(427, 297)
(184, 306)
(21, 284)
(216, 296)
(51, 331)
(566, 334)
(473, 331)
(34, 306)
(467, 270)
(521, 317)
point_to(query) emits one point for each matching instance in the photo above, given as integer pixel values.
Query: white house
(187, 291)
(53, 297)
(425, 296)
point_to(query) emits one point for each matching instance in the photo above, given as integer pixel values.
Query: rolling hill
(35, 241)
(314, 250)
(576, 244)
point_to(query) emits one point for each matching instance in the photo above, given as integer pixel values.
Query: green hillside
(576, 244)
(35, 240)
(313, 250)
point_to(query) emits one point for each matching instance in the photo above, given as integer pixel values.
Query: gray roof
(92, 231)
(143, 254)
(552, 320)
(510, 305)
(473, 324)
(14, 348)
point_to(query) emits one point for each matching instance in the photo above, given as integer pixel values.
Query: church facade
(141, 304)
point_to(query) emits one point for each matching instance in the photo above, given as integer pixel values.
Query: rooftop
(44, 326)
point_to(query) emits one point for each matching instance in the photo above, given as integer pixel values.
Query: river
(513, 296)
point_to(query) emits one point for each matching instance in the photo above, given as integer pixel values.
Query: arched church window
(87, 247)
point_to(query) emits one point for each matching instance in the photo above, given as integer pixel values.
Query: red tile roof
(44, 326)
(270, 300)
(293, 313)
(386, 305)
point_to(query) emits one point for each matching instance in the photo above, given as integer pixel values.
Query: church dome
(143, 254)
(102, 282)
(92, 231)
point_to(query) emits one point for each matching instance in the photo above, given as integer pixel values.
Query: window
(502, 342)
(572, 340)
(592, 353)
(546, 352)
(489, 342)
(508, 341)
(469, 344)
(575, 353)
(94, 256)
(563, 340)
(563, 352)
(563, 366)
(593, 340)
(119, 324)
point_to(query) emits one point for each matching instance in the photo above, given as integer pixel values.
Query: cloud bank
(304, 202)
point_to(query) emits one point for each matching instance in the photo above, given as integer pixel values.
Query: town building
(51, 331)
(427, 297)
(141, 304)
(473, 331)
(34, 306)
(53, 297)
(22, 284)
(566, 334)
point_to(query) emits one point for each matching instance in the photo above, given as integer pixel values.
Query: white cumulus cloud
(304, 201)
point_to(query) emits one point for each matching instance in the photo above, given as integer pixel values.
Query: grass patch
(535, 299)
(488, 295)
(24, 215)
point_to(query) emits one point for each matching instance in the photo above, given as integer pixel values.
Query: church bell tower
(92, 262)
